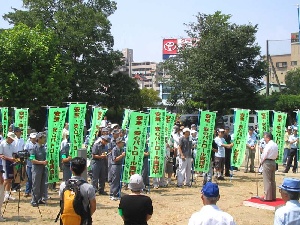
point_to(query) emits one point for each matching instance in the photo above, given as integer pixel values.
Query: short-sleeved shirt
(135, 209)
(19, 144)
(116, 151)
(87, 191)
(39, 152)
(288, 214)
(221, 150)
(65, 152)
(286, 140)
(29, 146)
(293, 138)
(211, 214)
(186, 146)
(251, 139)
(98, 149)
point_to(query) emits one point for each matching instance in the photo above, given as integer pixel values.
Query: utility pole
(268, 72)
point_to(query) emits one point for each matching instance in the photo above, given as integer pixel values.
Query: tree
(31, 71)
(292, 81)
(149, 98)
(223, 66)
(122, 91)
(85, 41)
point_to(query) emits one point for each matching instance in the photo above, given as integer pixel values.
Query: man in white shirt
(210, 213)
(268, 157)
(290, 193)
(294, 140)
(7, 149)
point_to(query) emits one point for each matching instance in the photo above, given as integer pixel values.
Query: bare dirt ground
(172, 206)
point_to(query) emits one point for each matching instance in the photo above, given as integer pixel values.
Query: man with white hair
(185, 159)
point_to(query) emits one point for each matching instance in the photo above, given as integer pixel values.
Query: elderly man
(268, 157)
(290, 193)
(210, 214)
(7, 150)
(185, 159)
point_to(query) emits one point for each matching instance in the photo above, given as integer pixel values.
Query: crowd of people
(107, 157)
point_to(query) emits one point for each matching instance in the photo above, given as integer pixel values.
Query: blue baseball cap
(290, 184)
(210, 190)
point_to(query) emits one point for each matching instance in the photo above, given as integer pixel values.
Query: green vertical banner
(125, 119)
(76, 126)
(263, 119)
(21, 121)
(56, 120)
(170, 120)
(157, 142)
(278, 132)
(205, 139)
(135, 145)
(98, 114)
(4, 120)
(241, 121)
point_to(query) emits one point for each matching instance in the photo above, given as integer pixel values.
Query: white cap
(136, 183)
(193, 131)
(12, 135)
(295, 128)
(221, 130)
(186, 130)
(33, 135)
(289, 128)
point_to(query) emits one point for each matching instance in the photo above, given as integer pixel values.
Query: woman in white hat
(135, 208)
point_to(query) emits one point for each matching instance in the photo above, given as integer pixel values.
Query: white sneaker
(2, 219)
(11, 198)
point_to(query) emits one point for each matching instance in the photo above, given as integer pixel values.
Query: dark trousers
(291, 157)
(227, 161)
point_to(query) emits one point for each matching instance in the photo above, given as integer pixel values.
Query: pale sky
(142, 24)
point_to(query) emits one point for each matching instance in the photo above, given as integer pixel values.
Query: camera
(22, 155)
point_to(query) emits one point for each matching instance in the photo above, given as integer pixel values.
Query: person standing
(220, 154)
(19, 145)
(111, 145)
(250, 150)
(39, 171)
(210, 213)
(1, 191)
(294, 140)
(65, 131)
(287, 145)
(78, 166)
(227, 138)
(30, 144)
(135, 208)
(66, 161)
(116, 169)
(7, 150)
(185, 159)
(268, 157)
(290, 193)
(99, 156)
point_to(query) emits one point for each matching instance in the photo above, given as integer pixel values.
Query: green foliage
(288, 103)
(221, 70)
(292, 81)
(122, 92)
(149, 98)
(31, 70)
(84, 40)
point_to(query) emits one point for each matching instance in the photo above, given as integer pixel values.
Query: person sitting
(210, 213)
(290, 193)
(135, 208)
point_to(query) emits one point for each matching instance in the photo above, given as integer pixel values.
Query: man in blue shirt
(250, 150)
(290, 193)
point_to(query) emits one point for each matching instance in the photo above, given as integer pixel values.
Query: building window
(281, 64)
(293, 63)
(165, 96)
